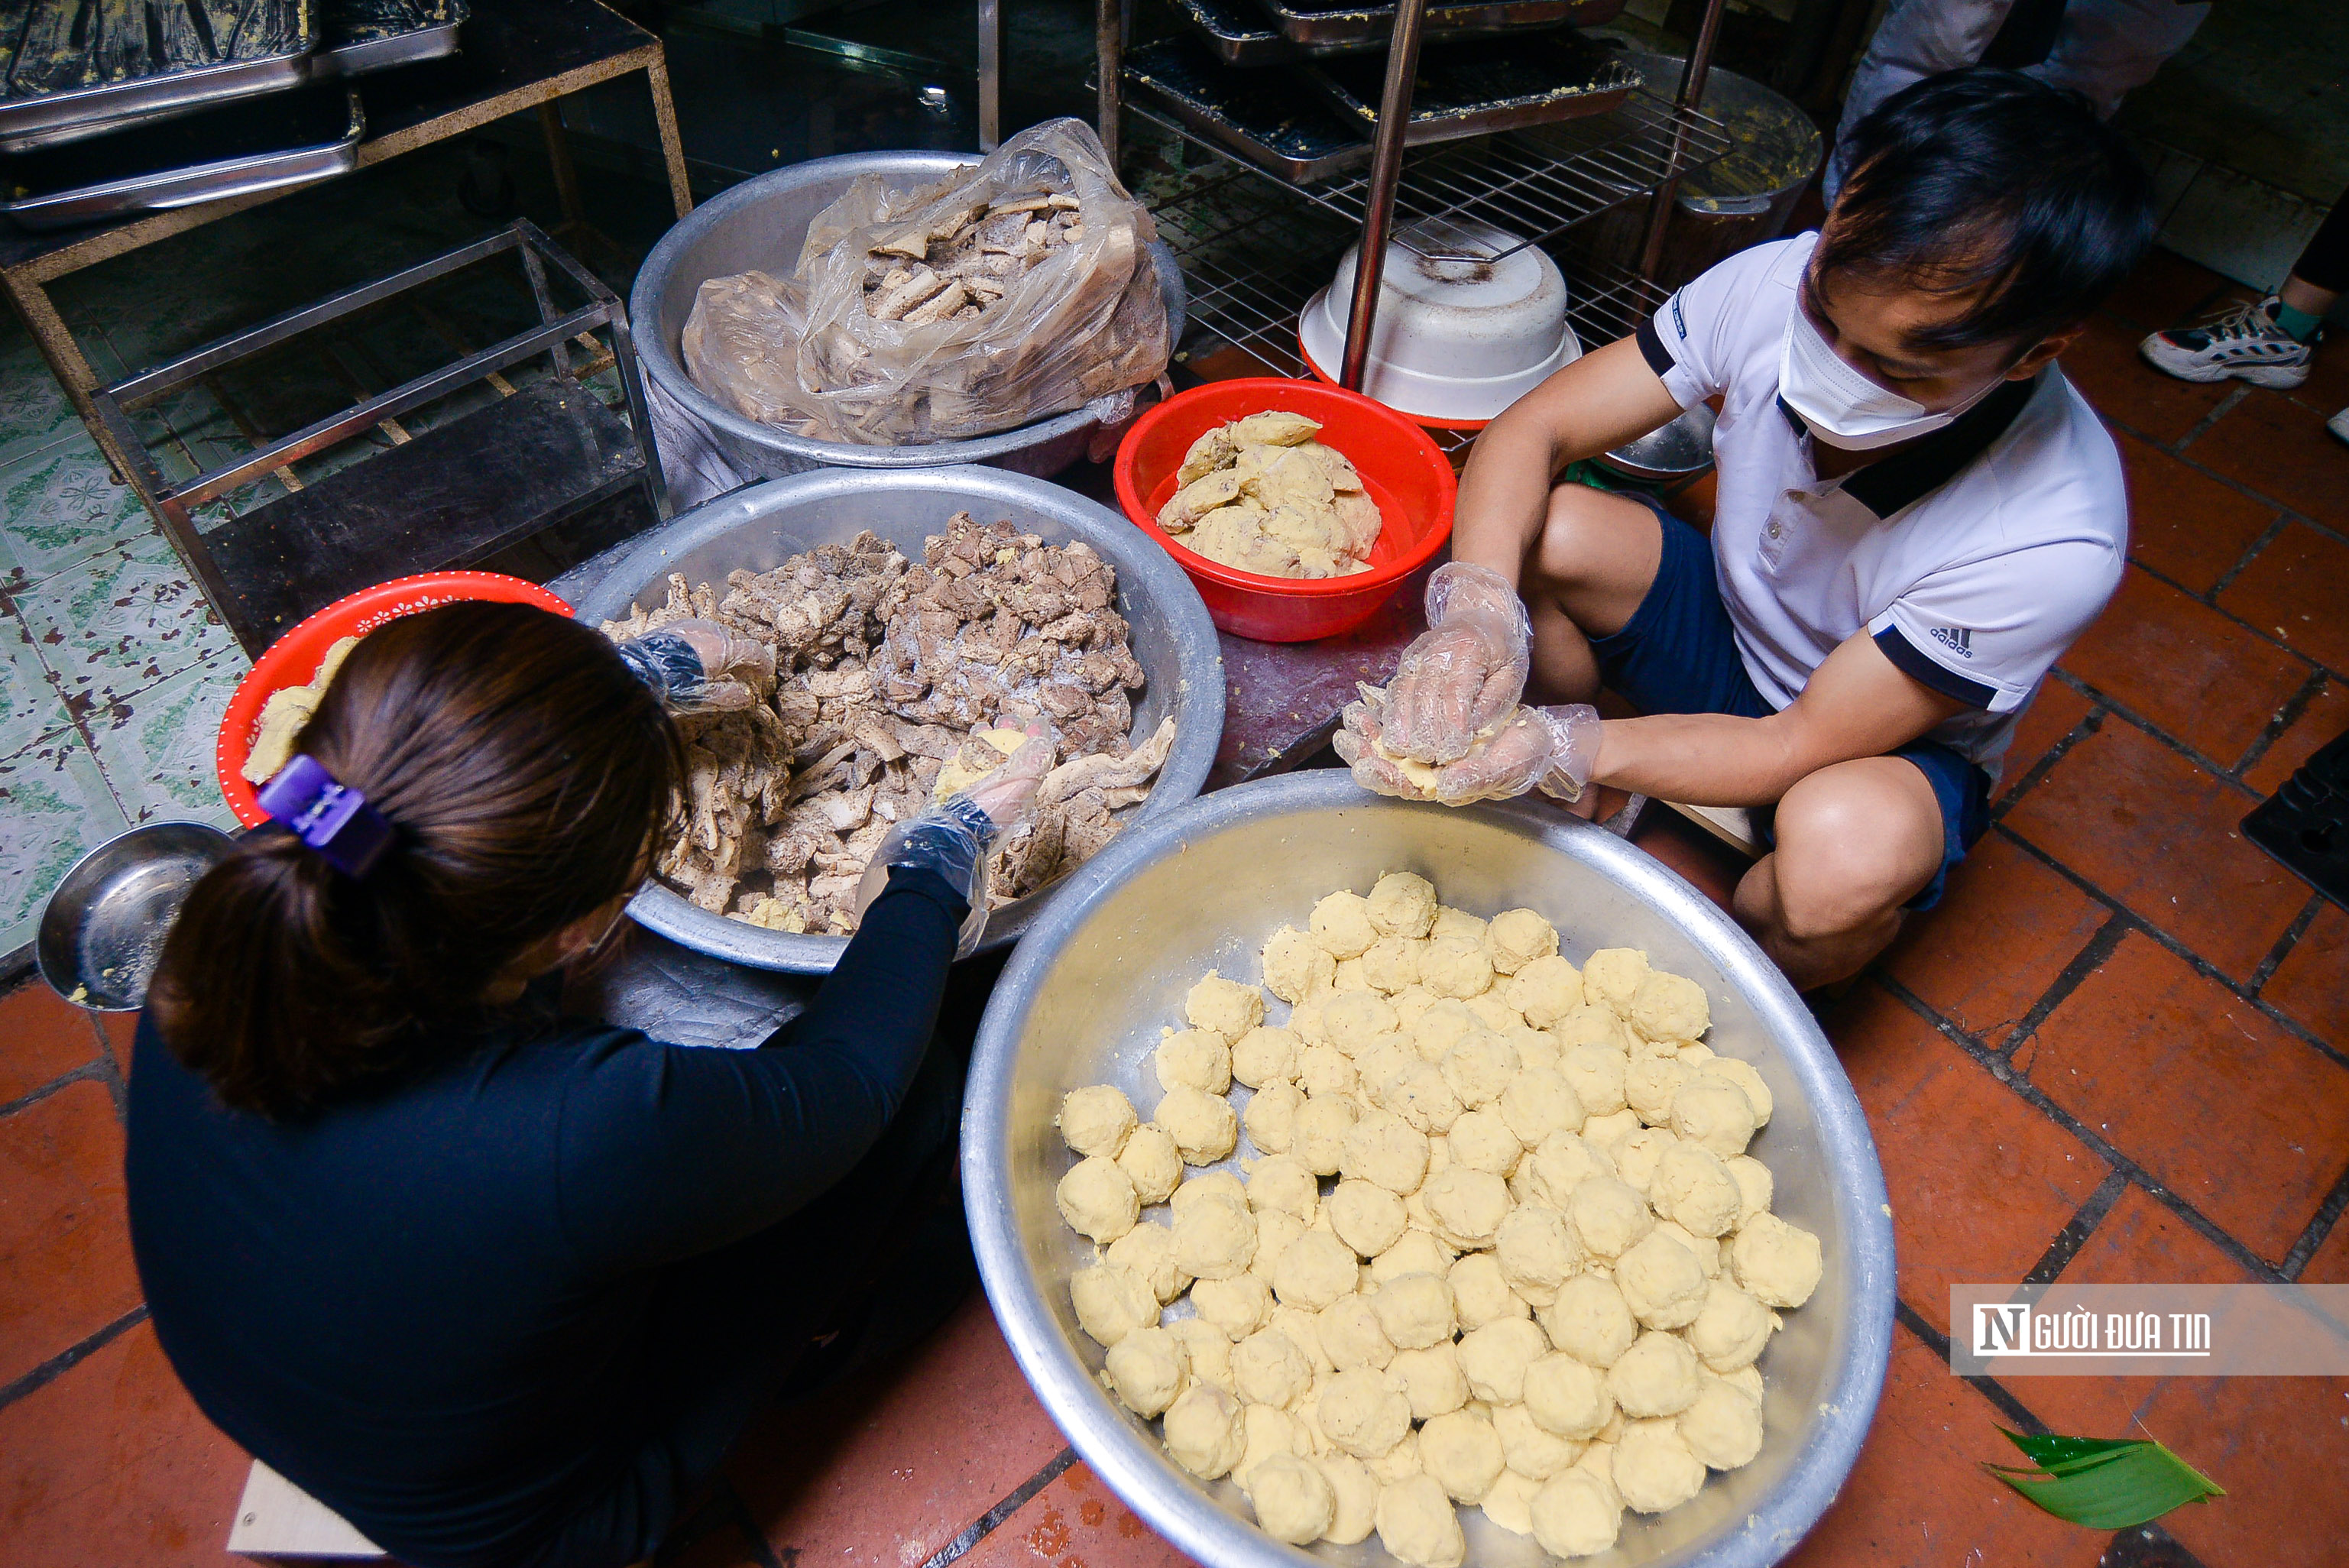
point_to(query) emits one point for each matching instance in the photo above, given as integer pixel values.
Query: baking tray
(1343, 29)
(1272, 116)
(364, 36)
(1241, 34)
(38, 119)
(253, 145)
(1475, 89)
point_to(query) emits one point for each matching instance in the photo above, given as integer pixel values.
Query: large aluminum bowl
(760, 223)
(755, 529)
(1105, 968)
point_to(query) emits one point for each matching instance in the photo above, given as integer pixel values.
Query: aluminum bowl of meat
(895, 652)
(761, 223)
(1104, 973)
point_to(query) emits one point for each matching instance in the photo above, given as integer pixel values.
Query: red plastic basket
(293, 659)
(1401, 468)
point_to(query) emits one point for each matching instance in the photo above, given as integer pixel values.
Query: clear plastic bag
(1076, 310)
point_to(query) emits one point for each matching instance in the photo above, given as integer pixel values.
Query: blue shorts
(1678, 654)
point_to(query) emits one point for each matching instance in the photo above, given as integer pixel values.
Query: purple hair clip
(330, 817)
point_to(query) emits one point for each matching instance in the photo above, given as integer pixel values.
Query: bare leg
(1583, 578)
(2301, 294)
(1856, 841)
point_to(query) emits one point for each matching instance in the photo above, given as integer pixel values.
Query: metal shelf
(1253, 253)
(1533, 183)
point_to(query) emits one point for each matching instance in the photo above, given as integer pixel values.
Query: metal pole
(991, 75)
(1386, 169)
(1108, 54)
(1691, 94)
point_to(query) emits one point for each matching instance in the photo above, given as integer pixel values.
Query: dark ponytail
(527, 774)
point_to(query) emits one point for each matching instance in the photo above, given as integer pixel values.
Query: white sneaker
(2242, 341)
(2339, 425)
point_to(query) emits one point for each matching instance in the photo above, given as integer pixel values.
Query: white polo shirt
(1973, 558)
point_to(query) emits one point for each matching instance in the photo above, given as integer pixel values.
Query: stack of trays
(80, 80)
(1294, 87)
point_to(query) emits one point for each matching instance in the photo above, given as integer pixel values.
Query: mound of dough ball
(1262, 495)
(1496, 1238)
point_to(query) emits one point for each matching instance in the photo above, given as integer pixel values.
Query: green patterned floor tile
(55, 807)
(112, 625)
(156, 748)
(58, 508)
(30, 705)
(34, 412)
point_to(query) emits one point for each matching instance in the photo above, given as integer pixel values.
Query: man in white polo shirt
(1916, 515)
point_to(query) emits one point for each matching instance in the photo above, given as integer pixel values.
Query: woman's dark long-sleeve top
(426, 1307)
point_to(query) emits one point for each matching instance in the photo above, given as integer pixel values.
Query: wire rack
(1533, 183)
(1253, 253)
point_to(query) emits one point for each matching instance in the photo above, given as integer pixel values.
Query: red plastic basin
(293, 659)
(1402, 468)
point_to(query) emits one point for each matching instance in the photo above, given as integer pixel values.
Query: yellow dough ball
(1566, 1397)
(1295, 966)
(1282, 1181)
(1653, 1469)
(1367, 1217)
(1398, 1462)
(1611, 975)
(1203, 1126)
(1517, 937)
(1237, 1307)
(1431, 1379)
(1742, 1074)
(1710, 1110)
(1528, 1450)
(1722, 1427)
(1545, 988)
(1481, 1140)
(1777, 1263)
(1441, 1024)
(1194, 1059)
(1415, 1311)
(1595, 1073)
(1662, 1282)
(1112, 1303)
(1510, 1504)
(1657, 1376)
(1755, 1188)
(1150, 1369)
(1203, 1431)
(1097, 1119)
(1402, 904)
(1315, 1270)
(1417, 1524)
(1275, 1231)
(1538, 1252)
(1609, 1216)
(1493, 1359)
(1391, 964)
(1149, 1252)
(1227, 1006)
(1609, 1133)
(1693, 1188)
(1730, 1330)
(1265, 1054)
(1455, 967)
(1305, 1018)
(1364, 1413)
(1459, 922)
(1478, 1067)
(1351, 1334)
(1564, 1162)
(1590, 1321)
(1097, 1199)
(1667, 1007)
(1481, 1293)
(1577, 1515)
(1352, 1019)
(1325, 1070)
(1222, 1185)
(1537, 1102)
(1354, 1494)
(1468, 1205)
(1325, 1128)
(1270, 1368)
(1650, 1083)
(1293, 1499)
(1384, 1150)
(1341, 925)
(1152, 1162)
(1593, 1024)
(1422, 1096)
(1462, 1453)
(1271, 1116)
(1206, 1350)
(1416, 1252)
(1215, 1239)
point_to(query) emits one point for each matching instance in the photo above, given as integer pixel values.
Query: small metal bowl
(105, 924)
(1680, 450)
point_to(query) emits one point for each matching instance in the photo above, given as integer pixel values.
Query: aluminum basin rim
(1127, 1463)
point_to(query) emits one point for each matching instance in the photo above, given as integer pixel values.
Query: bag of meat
(1012, 290)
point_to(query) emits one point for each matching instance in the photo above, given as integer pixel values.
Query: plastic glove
(1549, 748)
(1465, 672)
(953, 839)
(699, 666)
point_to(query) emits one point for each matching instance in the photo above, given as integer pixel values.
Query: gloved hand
(1464, 672)
(699, 666)
(953, 839)
(1553, 750)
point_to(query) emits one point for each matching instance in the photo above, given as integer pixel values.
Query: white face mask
(1843, 407)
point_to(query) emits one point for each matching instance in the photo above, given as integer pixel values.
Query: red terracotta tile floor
(2119, 1050)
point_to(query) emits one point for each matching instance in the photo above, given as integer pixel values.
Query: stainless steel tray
(55, 119)
(1271, 117)
(364, 36)
(38, 196)
(356, 59)
(1345, 29)
(1238, 35)
(1475, 89)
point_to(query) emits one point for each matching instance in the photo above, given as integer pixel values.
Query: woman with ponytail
(497, 1284)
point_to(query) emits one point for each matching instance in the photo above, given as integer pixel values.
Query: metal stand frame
(1513, 191)
(174, 502)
